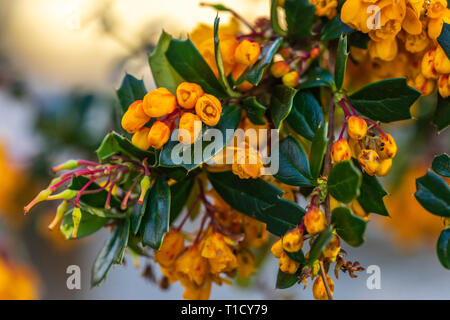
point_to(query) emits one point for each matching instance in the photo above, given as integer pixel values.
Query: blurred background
(60, 63)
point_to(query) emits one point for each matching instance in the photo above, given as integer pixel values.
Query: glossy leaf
(179, 192)
(217, 6)
(163, 73)
(296, 256)
(155, 222)
(341, 62)
(441, 118)
(348, 226)
(319, 244)
(285, 280)
(138, 213)
(255, 110)
(299, 18)
(441, 165)
(443, 248)
(306, 115)
(89, 224)
(281, 103)
(344, 181)
(274, 18)
(294, 167)
(334, 28)
(131, 90)
(317, 77)
(386, 100)
(189, 64)
(444, 39)
(433, 193)
(318, 147)
(282, 216)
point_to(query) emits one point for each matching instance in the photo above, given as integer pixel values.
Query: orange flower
(315, 220)
(293, 240)
(135, 117)
(386, 146)
(277, 248)
(159, 102)
(209, 109)
(290, 79)
(340, 151)
(215, 248)
(279, 69)
(332, 249)
(140, 138)
(287, 265)
(319, 290)
(188, 94)
(192, 125)
(158, 135)
(444, 85)
(357, 128)
(384, 168)
(172, 246)
(369, 160)
(247, 52)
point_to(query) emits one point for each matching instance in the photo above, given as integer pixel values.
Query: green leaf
(293, 164)
(163, 73)
(319, 244)
(444, 39)
(89, 224)
(299, 18)
(230, 119)
(189, 64)
(217, 6)
(443, 248)
(371, 194)
(111, 253)
(344, 181)
(282, 216)
(285, 280)
(281, 103)
(255, 110)
(256, 72)
(131, 90)
(358, 39)
(341, 62)
(334, 28)
(96, 200)
(317, 77)
(115, 144)
(296, 256)
(222, 76)
(179, 192)
(318, 147)
(441, 165)
(306, 115)
(386, 100)
(433, 193)
(138, 213)
(155, 222)
(274, 18)
(348, 226)
(441, 118)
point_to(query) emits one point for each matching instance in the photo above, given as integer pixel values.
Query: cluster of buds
(292, 66)
(373, 151)
(167, 108)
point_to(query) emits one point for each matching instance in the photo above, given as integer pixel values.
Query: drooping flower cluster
(166, 108)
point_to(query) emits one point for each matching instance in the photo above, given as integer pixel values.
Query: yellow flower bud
(355, 147)
(359, 211)
(422, 84)
(290, 79)
(188, 94)
(384, 168)
(238, 70)
(293, 240)
(134, 118)
(76, 218)
(386, 146)
(340, 151)
(369, 160)
(277, 248)
(192, 124)
(140, 138)
(332, 249)
(42, 196)
(441, 61)
(159, 102)
(315, 220)
(357, 127)
(246, 263)
(427, 66)
(444, 85)
(158, 135)
(247, 52)
(287, 265)
(279, 69)
(247, 163)
(62, 208)
(171, 247)
(145, 185)
(209, 109)
(319, 290)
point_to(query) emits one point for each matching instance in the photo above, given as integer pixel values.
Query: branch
(325, 282)
(327, 159)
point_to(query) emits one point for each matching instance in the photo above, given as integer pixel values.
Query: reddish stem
(350, 106)
(343, 129)
(191, 208)
(344, 108)
(77, 199)
(376, 127)
(123, 205)
(56, 185)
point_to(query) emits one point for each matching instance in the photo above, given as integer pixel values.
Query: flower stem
(325, 282)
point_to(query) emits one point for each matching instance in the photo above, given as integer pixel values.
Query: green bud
(68, 165)
(76, 218)
(65, 195)
(62, 208)
(145, 185)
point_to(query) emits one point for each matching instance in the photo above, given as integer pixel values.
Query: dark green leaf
(386, 100)
(306, 115)
(444, 39)
(256, 72)
(89, 224)
(189, 64)
(111, 253)
(115, 144)
(317, 77)
(163, 73)
(217, 6)
(96, 200)
(344, 181)
(441, 118)
(138, 213)
(358, 39)
(348, 226)
(230, 118)
(293, 164)
(285, 280)
(299, 18)
(282, 216)
(179, 192)
(255, 110)
(318, 147)
(296, 256)
(319, 244)
(274, 18)
(341, 62)
(441, 165)
(334, 28)
(131, 90)
(155, 222)
(443, 248)
(281, 103)
(433, 194)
